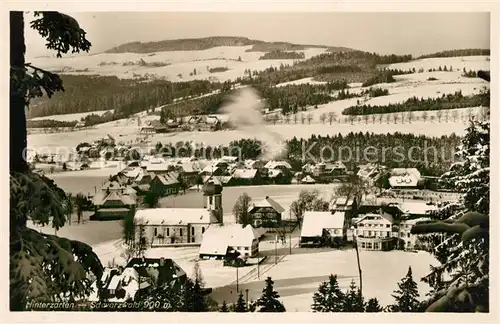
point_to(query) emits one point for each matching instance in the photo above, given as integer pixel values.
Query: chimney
(162, 261)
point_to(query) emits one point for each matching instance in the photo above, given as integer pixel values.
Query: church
(180, 226)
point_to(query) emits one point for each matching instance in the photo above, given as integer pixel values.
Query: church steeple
(212, 194)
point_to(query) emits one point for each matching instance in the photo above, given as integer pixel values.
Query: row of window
(374, 225)
(374, 233)
(180, 231)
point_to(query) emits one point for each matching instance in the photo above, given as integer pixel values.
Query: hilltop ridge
(197, 44)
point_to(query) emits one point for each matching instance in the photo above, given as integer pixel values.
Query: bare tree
(410, 116)
(387, 118)
(395, 118)
(302, 118)
(439, 115)
(454, 115)
(425, 116)
(287, 118)
(309, 118)
(331, 117)
(446, 115)
(295, 118)
(380, 117)
(374, 118)
(351, 118)
(366, 117)
(240, 209)
(322, 118)
(402, 116)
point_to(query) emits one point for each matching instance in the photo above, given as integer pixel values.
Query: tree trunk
(18, 134)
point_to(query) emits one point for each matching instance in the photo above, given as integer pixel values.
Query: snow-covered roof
(131, 172)
(416, 207)
(403, 181)
(229, 159)
(308, 179)
(405, 171)
(315, 222)
(217, 238)
(167, 179)
(174, 216)
(245, 173)
(103, 196)
(275, 164)
(267, 202)
(375, 218)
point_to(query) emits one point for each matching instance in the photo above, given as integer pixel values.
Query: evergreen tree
(406, 295)
(128, 227)
(353, 301)
(224, 308)
(163, 117)
(240, 306)
(373, 306)
(269, 302)
(329, 297)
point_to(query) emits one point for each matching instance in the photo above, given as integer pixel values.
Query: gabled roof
(267, 202)
(102, 197)
(217, 238)
(315, 222)
(386, 216)
(275, 164)
(174, 216)
(167, 179)
(308, 179)
(245, 173)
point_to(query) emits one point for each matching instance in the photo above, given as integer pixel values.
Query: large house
(218, 240)
(166, 184)
(266, 213)
(375, 232)
(114, 200)
(323, 228)
(180, 226)
(401, 178)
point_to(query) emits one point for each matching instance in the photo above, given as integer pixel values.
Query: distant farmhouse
(114, 200)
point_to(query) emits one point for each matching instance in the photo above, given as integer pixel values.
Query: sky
(384, 33)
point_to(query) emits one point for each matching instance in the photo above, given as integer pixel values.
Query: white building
(179, 226)
(404, 233)
(319, 227)
(404, 178)
(374, 231)
(219, 239)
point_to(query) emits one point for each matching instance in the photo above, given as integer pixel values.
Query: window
(363, 245)
(210, 200)
(368, 245)
(376, 246)
(246, 248)
(369, 233)
(192, 239)
(408, 234)
(387, 225)
(168, 231)
(387, 234)
(156, 231)
(192, 231)
(202, 230)
(180, 231)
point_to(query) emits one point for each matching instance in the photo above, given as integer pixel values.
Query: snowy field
(181, 63)
(469, 62)
(298, 276)
(72, 117)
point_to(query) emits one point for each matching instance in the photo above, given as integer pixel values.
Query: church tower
(212, 198)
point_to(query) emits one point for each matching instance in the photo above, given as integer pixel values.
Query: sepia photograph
(239, 162)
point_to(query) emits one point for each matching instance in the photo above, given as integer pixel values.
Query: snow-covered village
(246, 173)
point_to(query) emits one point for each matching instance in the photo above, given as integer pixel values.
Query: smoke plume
(245, 108)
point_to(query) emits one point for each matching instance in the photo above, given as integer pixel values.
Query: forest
(458, 52)
(282, 55)
(450, 101)
(125, 96)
